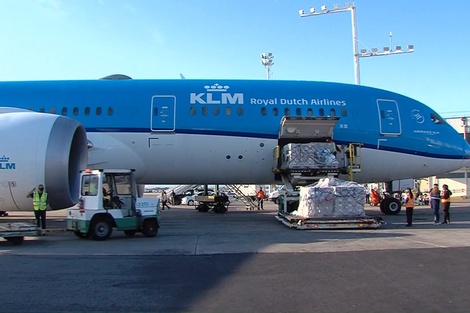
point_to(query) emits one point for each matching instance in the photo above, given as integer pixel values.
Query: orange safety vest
(260, 194)
(445, 198)
(410, 203)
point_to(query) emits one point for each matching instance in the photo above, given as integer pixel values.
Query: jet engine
(40, 148)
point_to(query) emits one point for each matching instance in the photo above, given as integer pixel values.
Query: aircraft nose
(466, 150)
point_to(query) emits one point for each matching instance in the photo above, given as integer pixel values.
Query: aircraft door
(389, 117)
(162, 115)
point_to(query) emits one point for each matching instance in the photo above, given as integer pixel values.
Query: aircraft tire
(150, 228)
(101, 229)
(191, 202)
(390, 206)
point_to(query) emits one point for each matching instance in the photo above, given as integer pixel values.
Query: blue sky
(146, 39)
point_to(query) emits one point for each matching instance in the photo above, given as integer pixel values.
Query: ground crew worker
(445, 200)
(260, 196)
(93, 187)
(40, 202)
(409, 205)
(435, 200)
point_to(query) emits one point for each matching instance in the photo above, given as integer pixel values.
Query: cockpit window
(436, 119)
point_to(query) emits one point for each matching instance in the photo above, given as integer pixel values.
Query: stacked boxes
(315, 155)
(332, 198)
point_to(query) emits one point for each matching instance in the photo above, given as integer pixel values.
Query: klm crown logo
(216, 94)
(216, 88)
(5, 165)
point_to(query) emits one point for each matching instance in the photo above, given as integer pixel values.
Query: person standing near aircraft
(435, 199)
(260, 196)
(409, 205)
(172, 197)
(165, 200)
(445, 200)
(40, 202)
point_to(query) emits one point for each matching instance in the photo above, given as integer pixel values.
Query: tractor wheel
(203, 207)
(150, 228)
(101, 229)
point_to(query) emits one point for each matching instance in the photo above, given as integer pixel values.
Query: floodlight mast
(364, 53)
(267, 61)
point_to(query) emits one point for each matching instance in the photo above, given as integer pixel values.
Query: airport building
(457, 180)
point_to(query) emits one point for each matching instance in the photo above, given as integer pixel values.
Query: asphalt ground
(243, 261)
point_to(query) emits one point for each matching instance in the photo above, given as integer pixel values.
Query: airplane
(203, 132)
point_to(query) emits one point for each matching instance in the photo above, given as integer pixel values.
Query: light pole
(267, 61)
(364, 53)
(465, 128)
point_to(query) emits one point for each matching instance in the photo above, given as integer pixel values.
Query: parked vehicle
(190, 199)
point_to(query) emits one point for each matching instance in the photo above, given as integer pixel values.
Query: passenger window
(240, 111)
(344, 112)
(264, 111)
(275, 111)
(309, 112)
(110, 111)
(75, 111)
(286, 111)
(332, 112)
(321, 112)
(53, 110)
(98, 111)
(64, 111)
(204, 111)
(87, 111)
(216, 110)
(228, 111)
(192, 111)
(298, 111)
(42, 110)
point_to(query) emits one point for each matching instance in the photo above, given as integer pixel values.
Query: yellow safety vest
(39, 203)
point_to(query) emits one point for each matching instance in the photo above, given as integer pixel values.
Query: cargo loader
(308, 161)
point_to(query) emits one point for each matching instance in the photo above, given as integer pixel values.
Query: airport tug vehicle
(309, 162)
(108, 200)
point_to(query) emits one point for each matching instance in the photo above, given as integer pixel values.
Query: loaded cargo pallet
(15, 232)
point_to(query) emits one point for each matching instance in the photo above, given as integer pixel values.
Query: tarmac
(243, 261)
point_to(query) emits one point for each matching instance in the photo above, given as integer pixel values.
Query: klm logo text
(221, 98)
(5, 164)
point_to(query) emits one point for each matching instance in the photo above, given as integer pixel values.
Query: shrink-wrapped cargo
(332, 198)
(315, 155)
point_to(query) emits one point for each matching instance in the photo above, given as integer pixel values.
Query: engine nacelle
(40, 148)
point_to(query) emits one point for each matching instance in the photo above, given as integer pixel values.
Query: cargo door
(308, 129)
(389, 117)
(163, 113)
